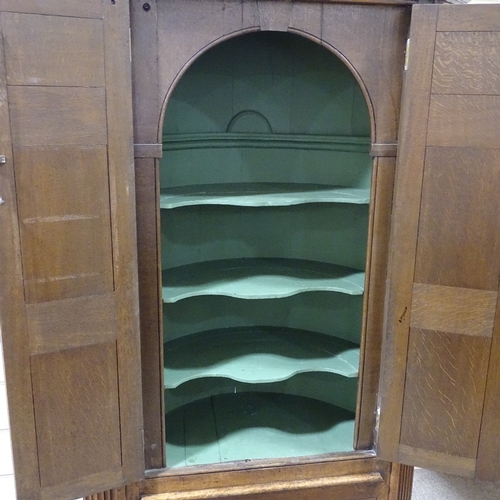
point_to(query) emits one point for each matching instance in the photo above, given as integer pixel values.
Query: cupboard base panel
(355, 478)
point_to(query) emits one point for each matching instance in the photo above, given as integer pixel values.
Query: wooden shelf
(256, 355)
(260, 278)
(275, 141)
(248, 426)
(264, 194)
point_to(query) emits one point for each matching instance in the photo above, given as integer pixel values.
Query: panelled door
(439, 401)
(68, 288)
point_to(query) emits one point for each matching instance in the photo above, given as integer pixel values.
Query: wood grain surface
(404, 229)
(464, 120)
(451, 323)
(468, 18)
(146, 106)
(90, 427)
(456, 310)
(445, 382)
(467, 63)
(71, 52)
(67, 87)
(53, 326)
(458, 223)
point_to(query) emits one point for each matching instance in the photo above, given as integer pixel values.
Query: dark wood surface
(442, 331)
(68, 250)
(146, 103)
(347, 475)
(371, 345)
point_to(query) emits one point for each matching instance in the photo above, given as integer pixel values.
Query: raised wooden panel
(76, 8)
(48, 178)
(53, 326)
(51, 215)
(459, 224)
(49, 275)
(42, 116)
(455, 310)
(467, 63)
(464, 121)
(445, 382)
(71, 52)
(469, 18)
(87, 396)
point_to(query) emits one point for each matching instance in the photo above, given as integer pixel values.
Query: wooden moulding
(400, 482)
(175, 142)
(361, 478)
(351, 487)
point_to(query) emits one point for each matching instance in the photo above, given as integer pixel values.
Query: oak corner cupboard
(250, 249)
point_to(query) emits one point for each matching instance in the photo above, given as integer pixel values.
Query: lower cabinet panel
(354, 478)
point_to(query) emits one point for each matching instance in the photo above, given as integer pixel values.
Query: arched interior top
(308, 86)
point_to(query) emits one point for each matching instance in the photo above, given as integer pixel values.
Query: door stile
(13, 324)
(414, 113)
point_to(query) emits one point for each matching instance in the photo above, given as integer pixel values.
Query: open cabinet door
(69, 307)
(441, 377)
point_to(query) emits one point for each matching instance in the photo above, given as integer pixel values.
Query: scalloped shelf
(256, 355)
(254, 425)
(262, 278)
(263, 194)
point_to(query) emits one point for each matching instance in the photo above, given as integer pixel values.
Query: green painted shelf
(260, 278)
(256, 355)
(254, 425)
(264, 194)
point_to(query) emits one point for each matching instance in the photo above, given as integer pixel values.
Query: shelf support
(148, 151)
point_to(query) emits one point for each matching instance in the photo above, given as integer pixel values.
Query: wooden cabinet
(330, 331)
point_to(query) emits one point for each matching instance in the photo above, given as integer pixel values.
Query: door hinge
(407, 53)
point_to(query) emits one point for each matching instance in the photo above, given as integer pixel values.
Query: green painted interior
(255, 425)
(264, 198)
(257, 355)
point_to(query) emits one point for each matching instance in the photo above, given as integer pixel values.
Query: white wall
(7, 486)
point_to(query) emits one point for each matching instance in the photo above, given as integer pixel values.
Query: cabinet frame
(154, 77)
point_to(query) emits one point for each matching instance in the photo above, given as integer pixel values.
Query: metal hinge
(407, 53)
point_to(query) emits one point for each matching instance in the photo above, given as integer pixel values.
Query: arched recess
(191, 58)
(264, 198)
